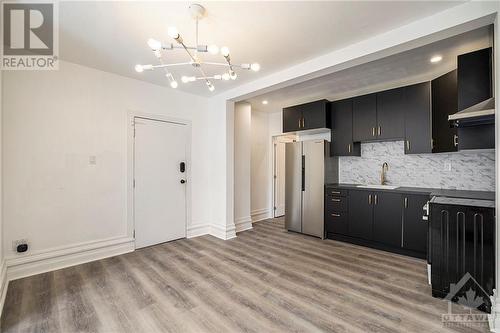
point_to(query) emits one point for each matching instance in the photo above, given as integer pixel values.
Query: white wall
(3, 268)
(242, 153)
(264, 126)
(53, 122)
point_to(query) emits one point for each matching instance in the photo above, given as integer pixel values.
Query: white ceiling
(111, 36)
(398, 70)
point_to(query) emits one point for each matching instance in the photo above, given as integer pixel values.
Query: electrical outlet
(18, 242)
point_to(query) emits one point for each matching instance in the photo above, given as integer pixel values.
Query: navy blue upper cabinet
(379, 116)
(292, 118)
(444, 103)
(342, 143)
(306, 116)
(474, 78)
(417, 119)
(391, 105)
(364, 118)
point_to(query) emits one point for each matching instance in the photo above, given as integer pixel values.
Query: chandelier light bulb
(233, 75)
(154, 44)
(210, 86)
(224, 51)
(139, 68)
(173, 33)
(187, 79)
(174, 84)
(213, 49)
(226, 76)
(255, 67)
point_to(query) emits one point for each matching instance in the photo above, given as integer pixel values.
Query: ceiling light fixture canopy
(197, 12)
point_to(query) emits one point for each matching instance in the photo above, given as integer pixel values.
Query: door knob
(183, 181)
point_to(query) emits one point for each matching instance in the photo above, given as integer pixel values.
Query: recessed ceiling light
(265, 102)
(436, 59)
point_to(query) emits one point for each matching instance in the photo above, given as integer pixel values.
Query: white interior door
(159, 195)
(279, 179)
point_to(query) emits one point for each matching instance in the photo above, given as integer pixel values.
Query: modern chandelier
(197, 12)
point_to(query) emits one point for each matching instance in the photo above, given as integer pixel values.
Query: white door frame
(274, 139)
(130, 165)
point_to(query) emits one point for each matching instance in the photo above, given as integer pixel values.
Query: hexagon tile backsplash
(471, 170)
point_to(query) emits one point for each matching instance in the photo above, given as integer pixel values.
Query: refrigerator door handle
(303, 173)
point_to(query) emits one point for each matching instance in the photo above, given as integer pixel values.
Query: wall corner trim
(261, 214)
(61, 257)
(198, 229)
(243, 223)
(223, 232)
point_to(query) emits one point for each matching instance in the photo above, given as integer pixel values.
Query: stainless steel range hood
(478, 114)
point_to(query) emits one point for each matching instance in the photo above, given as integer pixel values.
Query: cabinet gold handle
(349, 148)
(369, 199)
(376, 199)
(379, 130)
(373, 131)
(303, 122)
(408, 145)
(299, 122)
(406, 202)
(335, 192)
(336, 200)
(455, 140)
(335, 215)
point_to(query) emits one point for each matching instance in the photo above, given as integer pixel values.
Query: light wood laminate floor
(265, 280)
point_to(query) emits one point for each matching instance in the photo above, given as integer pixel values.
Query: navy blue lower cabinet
(386, 220)
(414, 228)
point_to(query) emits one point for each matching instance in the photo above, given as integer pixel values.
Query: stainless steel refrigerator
(304, 187)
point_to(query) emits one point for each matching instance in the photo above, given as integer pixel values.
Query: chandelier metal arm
(197, 12)
(163, 65)
(195, 61)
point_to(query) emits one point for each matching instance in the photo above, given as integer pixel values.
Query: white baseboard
(57, 258)
(223, 232)
(261, 214)
(243, 223)
(198, 230)
(4, 284)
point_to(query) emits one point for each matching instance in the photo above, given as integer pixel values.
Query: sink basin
(382, 187)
